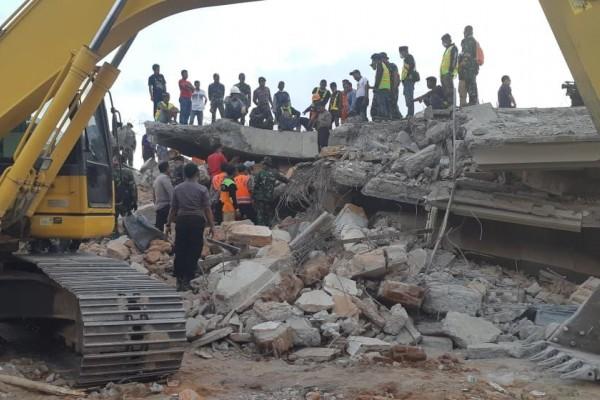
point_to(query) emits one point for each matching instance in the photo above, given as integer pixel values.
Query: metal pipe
(14, 16)
(107, 25)
(116, 61)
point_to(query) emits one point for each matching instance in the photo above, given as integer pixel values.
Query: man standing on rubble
(190, 211)
(216, 95)
(505, 97)
(335, 104)
(244, 193)
(468, 69)
(408, 77)
(382, 91)
(264, 192)
(395, 76)
(323, 125)
(280, 99)
(162, 193)
(320, 97)
(157, 86)
(186, 89)
(246, 93)
(448, 68)
(263, 101)
(127, 142)
(348, 100)
(362, 95)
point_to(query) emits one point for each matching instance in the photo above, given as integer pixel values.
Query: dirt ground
(230, 376)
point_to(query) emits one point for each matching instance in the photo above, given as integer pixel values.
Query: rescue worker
(335, 104)
(395, 74)
(127, 142)
(408, 77)
(436, 97)
(244, 193)
(126, 197)
(280, 99)
(382, 90)
(468, 69)
(323, 125)
(166, 112)
(190, 211)
(216, 95)
(162, 194)
(214, 196)
(236, 107)
(264, 192)
(228, 194)
(320, 97)
(289, 118)
(246, 96)
(448, 68)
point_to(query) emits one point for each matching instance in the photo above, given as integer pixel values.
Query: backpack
(480, 55)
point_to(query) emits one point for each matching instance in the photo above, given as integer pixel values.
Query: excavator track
(130, 327)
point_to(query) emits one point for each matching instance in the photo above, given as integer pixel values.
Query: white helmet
(235, 90)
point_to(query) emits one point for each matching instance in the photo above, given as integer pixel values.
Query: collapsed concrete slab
(200, 141)
(465, 330)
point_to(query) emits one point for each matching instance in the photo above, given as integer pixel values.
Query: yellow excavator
(56, 183)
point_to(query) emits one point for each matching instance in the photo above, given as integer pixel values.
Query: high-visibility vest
(447, 62)
(334, 103)
(243, 192)
(225, 197)
(405, 69)
(386, 78)
(218, 180)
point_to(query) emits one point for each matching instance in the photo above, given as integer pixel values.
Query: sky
(302, 42)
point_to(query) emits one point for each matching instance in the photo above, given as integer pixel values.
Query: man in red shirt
(215, 161)
(185, 98)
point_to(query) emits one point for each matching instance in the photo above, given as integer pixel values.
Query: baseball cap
(354, 72)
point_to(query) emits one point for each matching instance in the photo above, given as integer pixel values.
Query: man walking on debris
(190, 211)
(157, 86)
(216, 95)
(362, 95)
(199, 101)
(244, 193)
(408, 77)
(448, 68)
(280, 99)
(435, 97)
(471, 58)
(382, 91)
(228, 194)
(335, 104)
(264, 192)
(186, 89)
(127, 142)
(395, 75)
(126, 198)
(348, 100)
(505, 97)
(236, 107)
(246, 93)
(162, 193)
(263, 101)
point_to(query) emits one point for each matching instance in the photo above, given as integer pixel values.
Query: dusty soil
(234, 377)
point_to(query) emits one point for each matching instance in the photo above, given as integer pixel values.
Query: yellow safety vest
(334, 104)
(447, 62)
(404, 75)
(386, 78)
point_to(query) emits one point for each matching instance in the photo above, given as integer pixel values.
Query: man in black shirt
(216, 95)
(505, 97)
(436, 97)
(157, 86)
(409, 77)
(246, 91)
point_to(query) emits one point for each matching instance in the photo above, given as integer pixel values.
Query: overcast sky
(301, 42)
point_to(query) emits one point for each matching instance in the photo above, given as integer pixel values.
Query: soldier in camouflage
(125, 188)
(263, 193)
(468, 69)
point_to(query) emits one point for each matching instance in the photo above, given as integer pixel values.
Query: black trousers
(161, 218)
(189, 239)
(248, 212)
(322, 137)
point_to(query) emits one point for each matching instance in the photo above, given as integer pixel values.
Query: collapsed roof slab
(531, 138)
(200, 141)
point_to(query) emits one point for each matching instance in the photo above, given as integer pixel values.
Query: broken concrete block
(401, 293)
(286, 290)
(439, 132)
(440, 299)
(152, 257)
(276, 249)
(351, 326)
(273, 311)
(434, 343)
(315, 269)
(416, 163)
(466, 330)
(396, 320)
(315, 354)
(416, 261)
(241, 287)
(213, 336)
(361, 344)
(396, 256)
(117, 249)
(315, 301)
(368, 265)
(349, 224)
(241, 337)
(409, 335)
(369, 309)
(275, 337)
(343, 306)
(195, 328)
(281, 235)
(484, 351)
(533, 289)
(334, 284)
(330, 329)
(403, 353)
(252, 235)
(304, 334)
(430, 328)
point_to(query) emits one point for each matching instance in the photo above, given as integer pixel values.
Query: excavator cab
(80, 202)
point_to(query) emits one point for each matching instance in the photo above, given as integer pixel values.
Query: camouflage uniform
(125, 191)
(263, 195)
(468, 71)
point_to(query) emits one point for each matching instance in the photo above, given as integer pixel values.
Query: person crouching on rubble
(190, 211)
(166, 112)
(264, 192)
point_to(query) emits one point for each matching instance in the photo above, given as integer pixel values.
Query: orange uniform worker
(215, 196)
(228, 194)
(244, 193)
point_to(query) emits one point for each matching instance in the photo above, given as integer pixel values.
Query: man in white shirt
(362, 95)
(199, 101)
